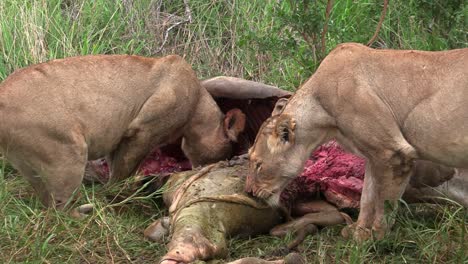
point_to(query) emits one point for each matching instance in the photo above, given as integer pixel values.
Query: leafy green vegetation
(276, 42)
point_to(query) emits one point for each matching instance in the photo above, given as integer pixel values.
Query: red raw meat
(330, 171)
(333, 172)
(155, 163)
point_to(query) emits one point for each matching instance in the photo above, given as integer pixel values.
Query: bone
(237, 88)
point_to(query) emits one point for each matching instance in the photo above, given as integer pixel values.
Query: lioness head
(213, 145)
(283, 145)
(273, 162)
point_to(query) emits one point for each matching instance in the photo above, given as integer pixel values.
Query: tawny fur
(390, 106)
(57, 115)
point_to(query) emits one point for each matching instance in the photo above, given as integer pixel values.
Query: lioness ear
(234, 123)
(279, 106)
(283, 135)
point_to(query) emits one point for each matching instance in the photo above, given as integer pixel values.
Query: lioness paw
(82, 211)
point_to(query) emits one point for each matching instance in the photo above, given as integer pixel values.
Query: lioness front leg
(375, 133)
(131, 151)
(150, 128)
(381, 183)
(58, 177)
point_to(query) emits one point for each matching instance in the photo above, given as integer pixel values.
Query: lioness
(390, 106)
(55, 116)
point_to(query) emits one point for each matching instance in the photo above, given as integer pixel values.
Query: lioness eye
(258, 166)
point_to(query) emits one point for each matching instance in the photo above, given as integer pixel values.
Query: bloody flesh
(330, 171)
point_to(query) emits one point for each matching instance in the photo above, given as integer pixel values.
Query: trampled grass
(114, 232)
(255, 40)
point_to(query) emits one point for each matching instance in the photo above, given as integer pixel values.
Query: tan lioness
(57, 115)
(390, 106)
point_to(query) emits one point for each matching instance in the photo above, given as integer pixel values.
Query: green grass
(114, 232)
(257, 40)
(30, 234)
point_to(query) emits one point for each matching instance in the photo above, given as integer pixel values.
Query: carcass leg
(292, 258)
(324, 214)
(158, 231)
(195, 237)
